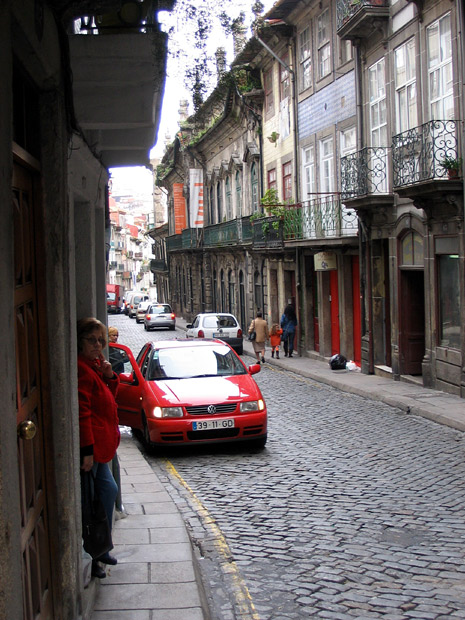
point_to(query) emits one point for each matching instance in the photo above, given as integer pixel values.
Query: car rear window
(111, 296)
(160, 309)
(220, 320)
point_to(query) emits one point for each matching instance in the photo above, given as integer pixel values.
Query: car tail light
(147, 316)
(173, 316)
(239, 333)
(200, 334)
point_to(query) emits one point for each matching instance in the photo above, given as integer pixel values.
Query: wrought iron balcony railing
(417, 154)
(174, 242)
(320, 218)
(365, 172)
(347, 9)
(233, 232)
(158, 264)
(268, 232)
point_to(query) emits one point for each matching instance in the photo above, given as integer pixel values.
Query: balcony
(233, 232)
(365, 178)
(174, 242)
(358, 19)
(322, 218)
(417, 156)
(118, 81)
(158, 265)
(138, 255)
(268, 233)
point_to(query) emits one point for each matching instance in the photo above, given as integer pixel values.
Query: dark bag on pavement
(96, 533)
(338, 362)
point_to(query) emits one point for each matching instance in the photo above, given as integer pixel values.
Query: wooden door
(35, 549)
(334, 309)
(356, 310)
(412, 322)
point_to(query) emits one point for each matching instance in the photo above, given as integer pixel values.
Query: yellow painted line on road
(241, 593)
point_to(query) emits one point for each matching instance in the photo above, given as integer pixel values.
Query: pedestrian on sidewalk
(289, 324)
(98, 419)
(275, 339)
(260, 327)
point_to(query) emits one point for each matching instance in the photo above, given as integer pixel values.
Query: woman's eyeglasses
(93, 340)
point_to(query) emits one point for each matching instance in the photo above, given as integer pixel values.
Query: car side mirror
(254, 368)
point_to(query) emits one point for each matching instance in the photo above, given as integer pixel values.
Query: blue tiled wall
(323, 109)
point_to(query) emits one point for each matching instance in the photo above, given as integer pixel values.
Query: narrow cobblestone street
(353, 510)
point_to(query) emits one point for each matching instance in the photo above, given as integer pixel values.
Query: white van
(134, 300)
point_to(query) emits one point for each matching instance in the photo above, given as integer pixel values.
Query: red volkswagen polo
(190, 392)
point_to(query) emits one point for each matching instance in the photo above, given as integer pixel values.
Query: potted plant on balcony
(452, 165)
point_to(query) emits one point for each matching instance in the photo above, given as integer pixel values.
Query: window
(231, 292)
(326, 166)
(214, 292)
(348, 141)
(439, 48)
(242, 297)
(305, 59)
(324, 44)
(308, 171)
(238, 194)
(222, 292)
(449, 300)
(378, 116)
(269, 98)
(271, 181)
(346, 51)
(211, 205)
(284, 80)
(406, 91)
(287, 181)
(254, 186)
(229, 214)
(219, 207)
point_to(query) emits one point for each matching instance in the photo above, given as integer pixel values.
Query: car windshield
(160, 309)
(188, 362)
(111, 296)
(219, 320)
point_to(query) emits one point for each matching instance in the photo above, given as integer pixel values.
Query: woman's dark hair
(290, 312)
(87, 326)
(259, 313)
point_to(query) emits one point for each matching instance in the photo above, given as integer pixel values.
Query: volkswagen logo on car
(211, 409)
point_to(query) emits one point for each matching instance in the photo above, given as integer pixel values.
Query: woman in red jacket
(98, 418)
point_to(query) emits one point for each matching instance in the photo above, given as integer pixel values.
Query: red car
(190, 392)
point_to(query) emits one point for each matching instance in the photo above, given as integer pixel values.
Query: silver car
(159, 315)
(142, 310)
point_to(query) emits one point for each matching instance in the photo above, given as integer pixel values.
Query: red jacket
(98, 412)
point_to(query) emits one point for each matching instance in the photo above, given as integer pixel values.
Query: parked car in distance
(159, 315)
(127, 296)
(217, 325)
(186, 392)
(142, 310)
(134, 300)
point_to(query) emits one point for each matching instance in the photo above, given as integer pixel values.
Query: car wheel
(145, 327)
(149, 446)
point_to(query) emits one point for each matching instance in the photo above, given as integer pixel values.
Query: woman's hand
(87, 462)
(104, 366)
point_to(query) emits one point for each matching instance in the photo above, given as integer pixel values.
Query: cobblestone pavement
(353, 510)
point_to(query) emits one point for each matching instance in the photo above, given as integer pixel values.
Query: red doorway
(334, 309)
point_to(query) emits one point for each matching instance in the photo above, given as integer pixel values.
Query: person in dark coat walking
(289, 324)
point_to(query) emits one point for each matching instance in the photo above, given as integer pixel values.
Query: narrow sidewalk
(155, 578)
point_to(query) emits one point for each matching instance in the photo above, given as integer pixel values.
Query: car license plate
(220, 335)
(208, 425)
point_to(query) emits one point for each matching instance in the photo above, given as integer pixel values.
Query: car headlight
(168, 412)
(251, 405)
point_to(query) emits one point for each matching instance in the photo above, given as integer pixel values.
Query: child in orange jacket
(275, 339)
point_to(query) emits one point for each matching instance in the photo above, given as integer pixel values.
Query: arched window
(214, 298)
(211, 205)
(227, 189)
(222, 292)
(254, 187)
(231, 292)
(219, 206)
(238, 194)
(412, 250)
(258, 294)
(242, 299)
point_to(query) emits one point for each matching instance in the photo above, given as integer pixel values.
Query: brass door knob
(27, 429)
